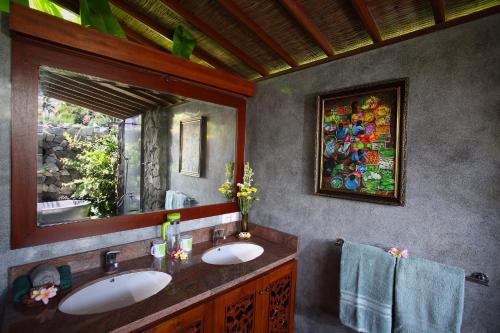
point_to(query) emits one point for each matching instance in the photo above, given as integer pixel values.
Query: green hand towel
(429, 297)
(66, 277)
(21, 287)
(366, 288)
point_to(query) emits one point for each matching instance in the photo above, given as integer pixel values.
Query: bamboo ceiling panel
(398, 17)
(339, 22)
(272, 17)
(458, 8)
(161, 13)
(220, 20)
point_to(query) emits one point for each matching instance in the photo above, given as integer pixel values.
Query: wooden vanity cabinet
(195, 320)
(265, 304)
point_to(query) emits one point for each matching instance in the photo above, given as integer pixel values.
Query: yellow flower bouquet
(246, 195)
(227, 188)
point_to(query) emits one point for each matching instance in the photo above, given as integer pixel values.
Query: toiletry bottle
(173, 233)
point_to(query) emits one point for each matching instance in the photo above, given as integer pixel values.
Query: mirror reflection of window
(108, 149)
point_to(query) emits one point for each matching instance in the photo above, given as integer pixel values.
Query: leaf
(184, 43)
(46, 6)
(96, 14)
(5, 4)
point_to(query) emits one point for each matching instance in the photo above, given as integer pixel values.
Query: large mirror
(107, 149)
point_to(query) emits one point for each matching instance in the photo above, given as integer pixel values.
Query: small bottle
(173, 232)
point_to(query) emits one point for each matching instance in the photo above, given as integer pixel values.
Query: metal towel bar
(476, 277)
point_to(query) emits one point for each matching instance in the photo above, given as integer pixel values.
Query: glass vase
(244, 223)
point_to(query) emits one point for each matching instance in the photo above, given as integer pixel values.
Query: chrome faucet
(111, 263)
(218, 234)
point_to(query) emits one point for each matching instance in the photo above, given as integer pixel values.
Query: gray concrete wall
(452, 213)
(11, 258)
(218, 150)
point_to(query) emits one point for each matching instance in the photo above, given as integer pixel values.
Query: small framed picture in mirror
(191, 145)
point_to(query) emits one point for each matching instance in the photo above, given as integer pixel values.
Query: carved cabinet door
(279, 297)
(236, 310)
(195, 320)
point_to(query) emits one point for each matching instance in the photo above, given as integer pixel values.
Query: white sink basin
(114, 292)
(231, 254)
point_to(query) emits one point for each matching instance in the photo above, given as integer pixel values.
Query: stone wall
(154, 154)
(53, 177)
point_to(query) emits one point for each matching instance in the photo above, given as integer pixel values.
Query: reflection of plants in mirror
(246, 193)
(184, 43)
(97, 162)
(227, 188)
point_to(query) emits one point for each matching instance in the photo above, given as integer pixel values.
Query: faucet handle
(219, 233)
(110, 258)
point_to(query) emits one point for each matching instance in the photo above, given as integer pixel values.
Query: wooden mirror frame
(29, 53)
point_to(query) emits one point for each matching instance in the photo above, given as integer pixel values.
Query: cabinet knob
(267, 289)
(261, 292)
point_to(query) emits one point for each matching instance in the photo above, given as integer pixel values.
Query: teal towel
(66, 277)
(21, 287)
(366, 285)
(429, 297)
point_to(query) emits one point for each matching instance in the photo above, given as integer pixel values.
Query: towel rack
(476, 277)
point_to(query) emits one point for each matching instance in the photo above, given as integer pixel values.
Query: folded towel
(66, 277)
(176, 200)
(366, 288)
(429, 297)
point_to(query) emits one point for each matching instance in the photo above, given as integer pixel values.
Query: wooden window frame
(29, 53)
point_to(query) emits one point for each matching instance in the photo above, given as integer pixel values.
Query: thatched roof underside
(283, 34)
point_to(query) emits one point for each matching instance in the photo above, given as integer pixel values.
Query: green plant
(97, 162)
(96, 14)
(184, 43)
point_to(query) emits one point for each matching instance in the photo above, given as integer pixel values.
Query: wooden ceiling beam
(205, 29)
(367, 19)
(438, 10)
(305, 21)
(167, 33)
(83, 103)
(85, 95)
(238, 13)
(98, 88)
(92, 93)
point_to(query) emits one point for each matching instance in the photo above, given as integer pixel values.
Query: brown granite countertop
(193, 281)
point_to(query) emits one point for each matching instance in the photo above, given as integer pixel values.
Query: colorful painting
(361, 141)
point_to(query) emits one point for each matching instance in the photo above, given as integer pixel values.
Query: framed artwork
(190, 143)
(361, 143)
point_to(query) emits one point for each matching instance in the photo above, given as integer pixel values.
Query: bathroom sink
(231, 254)
(114, 292)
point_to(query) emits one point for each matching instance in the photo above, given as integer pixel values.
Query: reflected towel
(366, 288)
(429, 297)
(176, 200)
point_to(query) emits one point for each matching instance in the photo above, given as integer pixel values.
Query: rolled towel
(45, 274)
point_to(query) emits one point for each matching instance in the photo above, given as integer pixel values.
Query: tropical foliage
(97, 162)
(184, 43)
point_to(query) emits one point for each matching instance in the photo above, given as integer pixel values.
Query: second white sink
(115, 292)
(231, 254)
